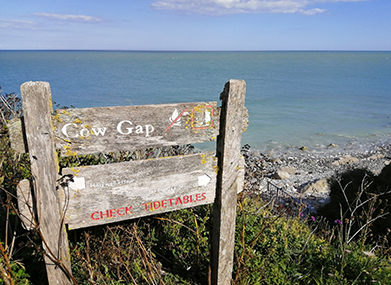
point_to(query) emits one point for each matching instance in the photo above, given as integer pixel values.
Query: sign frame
(44, 133)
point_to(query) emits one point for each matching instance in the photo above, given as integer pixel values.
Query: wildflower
(313, 218)
(338, 222)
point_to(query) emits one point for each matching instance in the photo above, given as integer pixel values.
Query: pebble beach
(299, 179)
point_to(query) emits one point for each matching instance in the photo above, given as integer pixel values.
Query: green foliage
(121, 254)
(173, 248)
(183, 239)
(12, 271)
(271, 249)
(10, 107)
(359, 201)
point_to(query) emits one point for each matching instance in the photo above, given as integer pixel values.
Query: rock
(279, 174)
(263, 186)
(332, 145)
(289, 170)
(377, 156)
(346, 160)
(318, 187)
(276, 161)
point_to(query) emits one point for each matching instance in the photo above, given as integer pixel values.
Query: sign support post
(224, 208)
(40, 141)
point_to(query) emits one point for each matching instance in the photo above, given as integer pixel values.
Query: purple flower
(313, 218)
(338, 222)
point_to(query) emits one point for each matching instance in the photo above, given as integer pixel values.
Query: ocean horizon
(294, 98)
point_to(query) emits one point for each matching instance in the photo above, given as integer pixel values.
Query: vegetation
(346, 246)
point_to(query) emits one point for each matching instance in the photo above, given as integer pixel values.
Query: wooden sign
(101, 194)
(107, 129)
(110, 193)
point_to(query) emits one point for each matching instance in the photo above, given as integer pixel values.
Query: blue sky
(196, 24)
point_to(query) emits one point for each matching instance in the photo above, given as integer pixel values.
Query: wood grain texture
(37, 110)
(228, 153)
(15, 132)
(107, 129)
(25, 204)
(110, 193)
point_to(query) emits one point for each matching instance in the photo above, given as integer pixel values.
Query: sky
(195, 24)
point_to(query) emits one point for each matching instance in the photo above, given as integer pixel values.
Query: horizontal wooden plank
(18, 143)
(106, 129)
(115, 192)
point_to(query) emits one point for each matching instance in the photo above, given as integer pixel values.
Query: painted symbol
(174, 120)
(204, 180)
(201, 117)
(78, 183)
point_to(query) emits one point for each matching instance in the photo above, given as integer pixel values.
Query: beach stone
(346, 160)
(320, 186)
(376, 156)
(264, 163)
(279, 174)
(263, 186)
(289, 170)
(276, 161)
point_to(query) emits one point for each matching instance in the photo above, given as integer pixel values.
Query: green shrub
(359, 201)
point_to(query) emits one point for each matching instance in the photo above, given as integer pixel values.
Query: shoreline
(302, 175)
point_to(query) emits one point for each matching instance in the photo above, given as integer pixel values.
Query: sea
(295, 99)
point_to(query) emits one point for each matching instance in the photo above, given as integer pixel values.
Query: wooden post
(37, 110)
(228, 153)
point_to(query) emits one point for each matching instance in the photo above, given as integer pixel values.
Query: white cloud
(312, 11)
(70, 18)
(221, 7)
(16, 24)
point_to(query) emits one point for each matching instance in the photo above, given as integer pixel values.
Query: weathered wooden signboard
(114, 192)
(101, 194)
(105, 129)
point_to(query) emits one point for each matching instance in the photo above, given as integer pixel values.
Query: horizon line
(169, 50)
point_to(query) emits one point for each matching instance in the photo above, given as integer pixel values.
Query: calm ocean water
(294, 99)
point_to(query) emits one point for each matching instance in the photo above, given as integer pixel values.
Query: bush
(359, 202)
